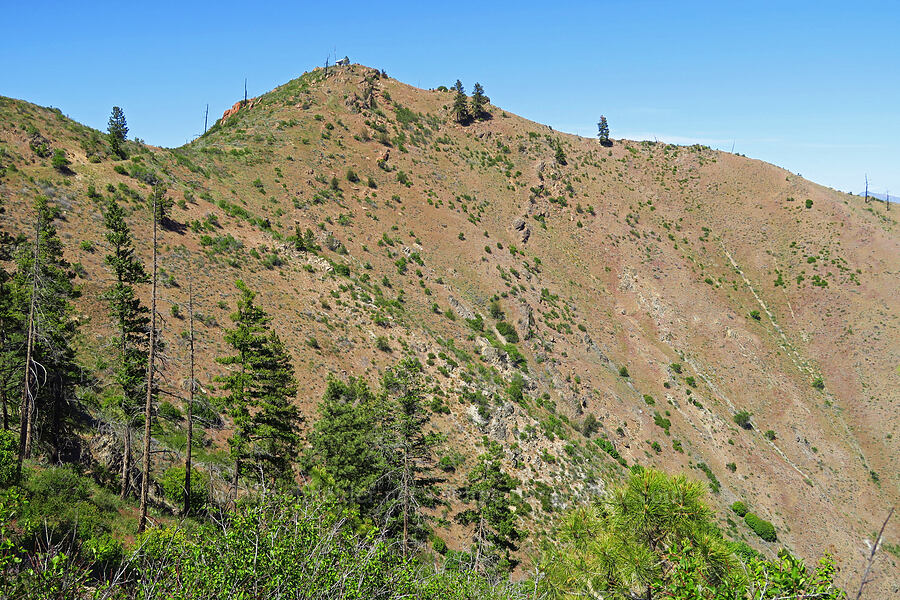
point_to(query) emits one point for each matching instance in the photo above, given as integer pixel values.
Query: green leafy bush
(9, 456)
(508, 332)
(739, 508)
(174, 486)
(742, 419)
(761, 527)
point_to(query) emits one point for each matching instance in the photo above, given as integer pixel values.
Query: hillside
(660, 289)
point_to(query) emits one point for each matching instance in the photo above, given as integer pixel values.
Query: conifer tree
(343, 440)
(460, 105)
(603, 131)
(274, 434)
(560, 154)
(117, 132)
(10, 326)
(163, 204)
(405, 488)
(489, 486)
(260, 388)
(131, 322)
(44, 282)
(479, 102)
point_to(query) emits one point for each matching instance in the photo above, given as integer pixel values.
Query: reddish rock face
(236, 107)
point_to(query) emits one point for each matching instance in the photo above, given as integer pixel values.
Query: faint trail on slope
(795, 357)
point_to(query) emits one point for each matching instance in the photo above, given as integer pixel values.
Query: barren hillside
(660, 289)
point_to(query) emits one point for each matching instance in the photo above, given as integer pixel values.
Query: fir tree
(11, 326)
(274, 434)
(117, 132)
(460, 105)
(260, 387)
(495, 535)
(131, 321)
(343, 441)
(479, 102)
(405, 488)
(603, 131)
(560, 154)
(163, 204)
(44, 282)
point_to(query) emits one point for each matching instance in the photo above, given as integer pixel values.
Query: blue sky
(811, 86)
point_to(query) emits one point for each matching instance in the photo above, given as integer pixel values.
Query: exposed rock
(459, 309)
(238, 106)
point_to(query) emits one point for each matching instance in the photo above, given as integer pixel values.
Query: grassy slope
(649, 285)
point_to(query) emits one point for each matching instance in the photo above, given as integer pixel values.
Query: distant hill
(587, 307)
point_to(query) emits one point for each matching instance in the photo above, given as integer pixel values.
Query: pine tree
(405, 488)
(163, 204)
(260, 388)
(603, 131)
(274, 434)
(460, 105)
(11, 326)
(44, 282)
(343, 440)
(131, 321)
(560, 154)
(479, 102)
(489, 487)
(117, 132)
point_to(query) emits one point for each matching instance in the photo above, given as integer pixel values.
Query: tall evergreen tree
(479, 102)
(489, 486)
(131, 321)
(405, 488)
(343, 440)
(44, 282)
(117, 132)
(460, 108)
(274, 435)
(150, 389)
(11, 326)
(603, 131)
(163, 204)
(260, 387)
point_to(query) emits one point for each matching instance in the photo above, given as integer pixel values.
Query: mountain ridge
(661, 253)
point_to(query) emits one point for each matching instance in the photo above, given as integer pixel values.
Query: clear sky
(811, 86)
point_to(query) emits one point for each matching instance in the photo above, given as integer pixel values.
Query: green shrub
(174, 487)
(623, 371)
(818, 383)
(676, 367)
(754, 314)
(508, 332)
(760, 527)
(770, 435)
(742, 419)
(809, 203)
(739, 508)
(352, 177)
(9, 457)
(381, 342)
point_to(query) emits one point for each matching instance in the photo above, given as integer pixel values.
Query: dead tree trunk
(145, 480)
(190, 406)
(27, 406)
